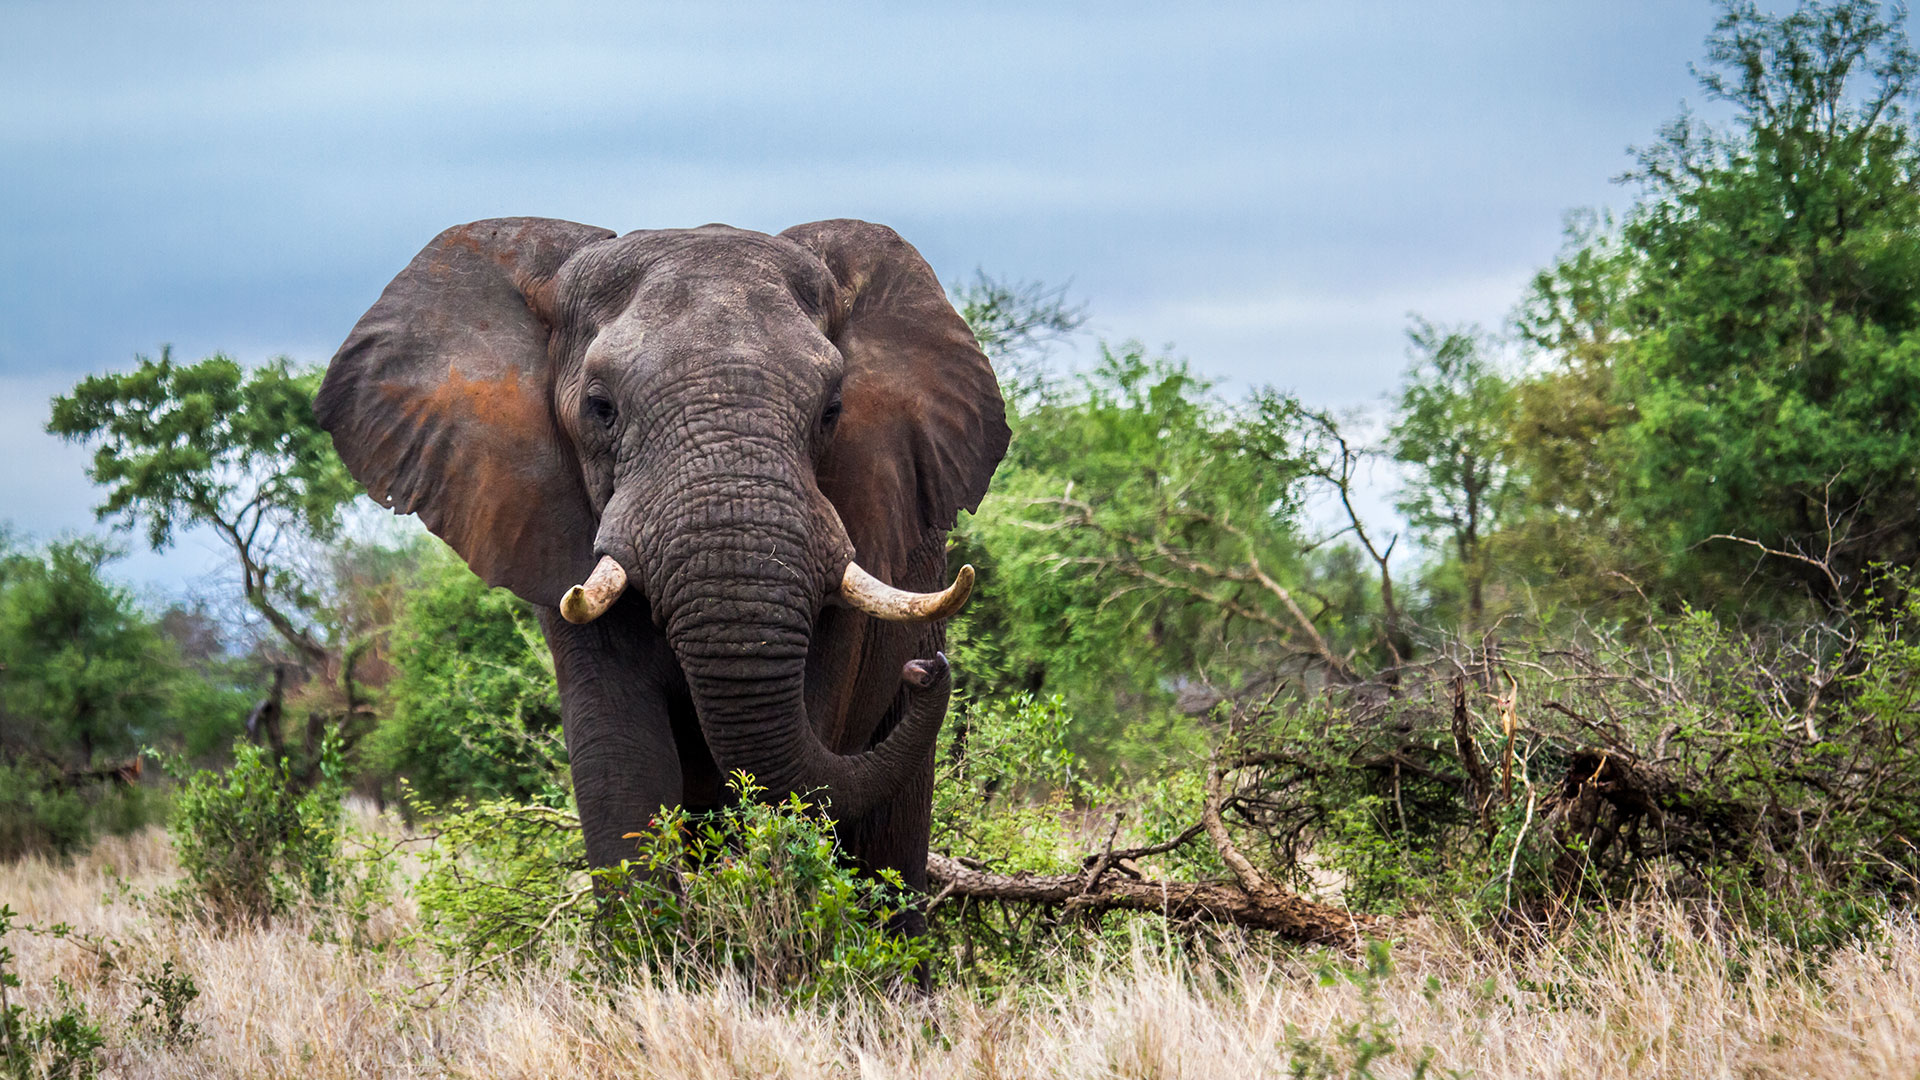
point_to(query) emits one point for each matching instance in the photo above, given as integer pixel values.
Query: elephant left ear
(922, 425)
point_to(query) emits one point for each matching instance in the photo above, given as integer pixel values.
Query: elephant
(722, 464)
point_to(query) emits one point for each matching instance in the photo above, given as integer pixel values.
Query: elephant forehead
(711, 263)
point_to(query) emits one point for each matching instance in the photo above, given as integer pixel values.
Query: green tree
(1144, 545)
(87, 672)
(473, 709)
(1773, 370)
(1451, 428)
(1563, 531)
(211, 444)
(87, 679)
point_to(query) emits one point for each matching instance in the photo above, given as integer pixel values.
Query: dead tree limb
(1290, 916)
(1252, 899)
(1479, 780)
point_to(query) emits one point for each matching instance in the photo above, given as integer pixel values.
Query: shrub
(251, 842)
(475, 710)
(164, 998)
(758, 892)
(43, 1046)
(501, 880)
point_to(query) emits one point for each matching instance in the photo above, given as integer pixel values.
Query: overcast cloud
(1268, 188)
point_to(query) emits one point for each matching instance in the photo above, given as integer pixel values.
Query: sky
(1266, 190)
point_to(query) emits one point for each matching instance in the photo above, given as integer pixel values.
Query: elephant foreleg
(614, 676)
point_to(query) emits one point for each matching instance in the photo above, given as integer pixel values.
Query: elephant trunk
(738, 607)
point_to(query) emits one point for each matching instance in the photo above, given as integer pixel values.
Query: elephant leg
(615, 676)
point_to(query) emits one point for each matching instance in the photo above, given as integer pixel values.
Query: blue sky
(1269, 188)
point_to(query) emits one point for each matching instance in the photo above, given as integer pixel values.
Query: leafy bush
(1004, 791)
(43, 1046)
(501, 880)
(760, 891)
(757, 891)
(89, 677)
(165, 996)
(475, 711)
(251, 842)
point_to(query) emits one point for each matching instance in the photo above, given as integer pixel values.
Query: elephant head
(717, 420)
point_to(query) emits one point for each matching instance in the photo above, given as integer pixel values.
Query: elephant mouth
(859, 590)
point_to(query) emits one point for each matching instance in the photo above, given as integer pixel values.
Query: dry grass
(1651, 994)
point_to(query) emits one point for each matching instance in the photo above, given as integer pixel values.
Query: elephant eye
(831, 413)
(600, 407)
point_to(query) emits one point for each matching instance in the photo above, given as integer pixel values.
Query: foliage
(1143, 537)
(1005, 791)
(252, 842)
(756, 891)
(240, 453)
(165, 996)
(761, 891)
(1744, 354)
(89, 677)
(473, 711)
(1450, 428)
(45, 1046)
(212, 444)
(87, 670)
(500, 880)
(1565, 534)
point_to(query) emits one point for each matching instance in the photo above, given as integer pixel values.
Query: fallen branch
(1252, 899)
(1285, 914)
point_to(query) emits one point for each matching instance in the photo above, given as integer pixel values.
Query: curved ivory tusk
(881, 600)
(590, 600)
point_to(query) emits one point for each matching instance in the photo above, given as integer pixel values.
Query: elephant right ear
(440, 402)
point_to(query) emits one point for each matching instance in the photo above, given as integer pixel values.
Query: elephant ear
(922, 423)
(440, 402)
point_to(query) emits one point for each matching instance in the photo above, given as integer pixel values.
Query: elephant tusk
(881, 600)
(590, 600)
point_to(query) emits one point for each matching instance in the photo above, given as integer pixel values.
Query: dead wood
(1251, 900)
(1290, 916)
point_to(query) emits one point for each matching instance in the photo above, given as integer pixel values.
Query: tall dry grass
(1646, 993)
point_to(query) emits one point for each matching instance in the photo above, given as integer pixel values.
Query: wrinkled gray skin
(733, 417)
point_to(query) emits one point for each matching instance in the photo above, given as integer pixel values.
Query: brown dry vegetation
(1655, 991)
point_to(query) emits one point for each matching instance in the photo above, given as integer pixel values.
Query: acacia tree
(211, 444)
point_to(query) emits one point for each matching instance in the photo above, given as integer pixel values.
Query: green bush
(500, 881)
(40, 810)
(757, 891)
(43, 1046)
(474, 708)
(251, 843)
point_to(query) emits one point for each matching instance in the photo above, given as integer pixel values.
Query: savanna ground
(1656, 990)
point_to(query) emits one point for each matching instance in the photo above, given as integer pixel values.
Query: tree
(1451, 428)
(210, 444)
(87, 673)
(1772, 369)
(1015, 324)
(1144, 542)
(473, 710)
(1563, 530)
(87, 679)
